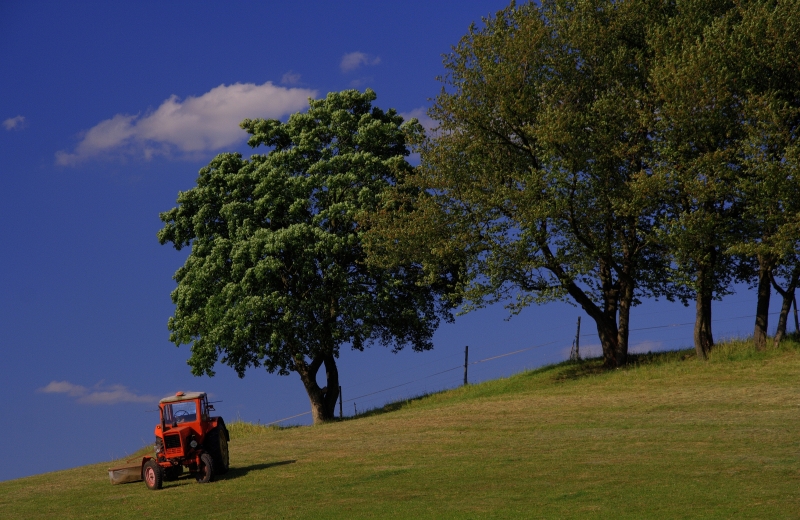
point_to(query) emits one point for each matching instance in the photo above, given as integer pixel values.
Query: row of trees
(602, 152)
(598, 152)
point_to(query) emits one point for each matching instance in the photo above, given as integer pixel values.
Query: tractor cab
(184, 408)
(174, 413)
(184, 424)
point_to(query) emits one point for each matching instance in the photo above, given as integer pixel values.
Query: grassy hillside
(668, 437)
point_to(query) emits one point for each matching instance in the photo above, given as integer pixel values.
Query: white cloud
(64, 387)
(355, 60)
(290, 78)
(194, 125)
(422, 116)
(97, 395)
(14, 123)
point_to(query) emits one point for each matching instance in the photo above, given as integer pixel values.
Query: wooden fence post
(466, 363)
(575, 354)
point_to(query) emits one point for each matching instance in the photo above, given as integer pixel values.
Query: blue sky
(108, 109)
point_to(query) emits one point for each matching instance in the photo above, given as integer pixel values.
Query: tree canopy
(276, 274)
(604, 151)
(695, 137)
(540, 165)
(727, 84)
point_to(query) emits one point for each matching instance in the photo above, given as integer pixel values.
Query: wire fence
(451, 382)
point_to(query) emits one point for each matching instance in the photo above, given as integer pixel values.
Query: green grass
(666, 437)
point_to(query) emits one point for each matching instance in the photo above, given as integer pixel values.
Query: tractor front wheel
(205, 470)
(153, 474)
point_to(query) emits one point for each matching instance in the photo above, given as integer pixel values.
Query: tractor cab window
(185, 411)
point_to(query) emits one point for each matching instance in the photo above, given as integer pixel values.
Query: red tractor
(187, 436)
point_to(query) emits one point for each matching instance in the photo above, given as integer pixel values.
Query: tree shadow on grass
(241, 471)
(573, 370)
(564, 371)
(187, 478)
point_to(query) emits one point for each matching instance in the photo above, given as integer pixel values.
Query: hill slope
(668, 437)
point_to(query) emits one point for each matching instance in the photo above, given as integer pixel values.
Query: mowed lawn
(667, 437)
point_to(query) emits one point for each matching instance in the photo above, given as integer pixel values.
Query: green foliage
(276, 274)
(723, 136)
(769, 151)
(539, 170)
(696, 137)
(603, 151)
(727, 81)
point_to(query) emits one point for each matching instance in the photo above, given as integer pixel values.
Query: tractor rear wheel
(217, 445)
(153, 474)
(205, 470)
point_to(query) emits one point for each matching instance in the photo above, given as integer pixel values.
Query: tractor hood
(178, 441)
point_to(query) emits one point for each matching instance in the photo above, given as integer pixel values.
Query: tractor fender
(221, 425)
(219, 422)
(144, 461)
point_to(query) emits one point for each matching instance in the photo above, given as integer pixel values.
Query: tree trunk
(703, 340)
(762, 305)
(783, 317)
(625, 300)
(611, 347)
(606, 328)
(332, 380)
(609, 340)
(605, 318)
(323, 400)
(788, 299)
(796, 321)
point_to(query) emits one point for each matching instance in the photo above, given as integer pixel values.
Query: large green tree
(539, 171)
(276, 275)
(768, 187)
(696, 138)
(764, 44)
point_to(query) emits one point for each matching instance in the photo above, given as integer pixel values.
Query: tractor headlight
(193, 444)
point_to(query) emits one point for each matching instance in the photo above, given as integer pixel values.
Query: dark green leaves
(276, 273)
